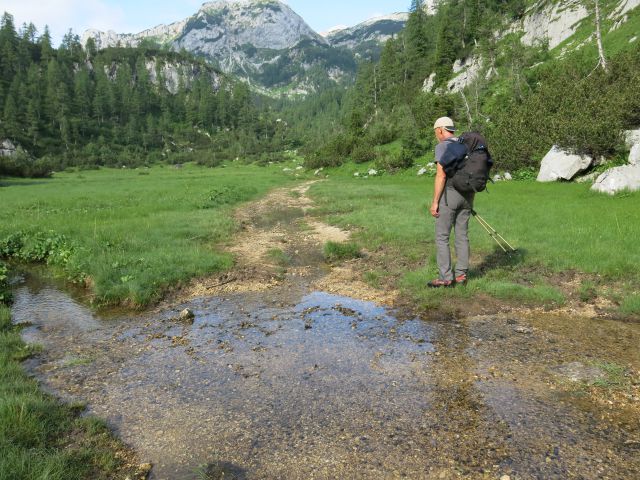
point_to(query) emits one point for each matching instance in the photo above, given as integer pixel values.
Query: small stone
(187, 315)
(505, 477)
(522, 329)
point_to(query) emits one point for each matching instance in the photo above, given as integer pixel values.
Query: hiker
(451, 209)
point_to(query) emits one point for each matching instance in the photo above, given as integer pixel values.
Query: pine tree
(11, 116)
(46, 50)
(102, 98)
(8, 50)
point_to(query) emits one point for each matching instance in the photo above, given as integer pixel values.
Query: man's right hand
(434, 210)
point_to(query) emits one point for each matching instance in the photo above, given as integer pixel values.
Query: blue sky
(131, 16)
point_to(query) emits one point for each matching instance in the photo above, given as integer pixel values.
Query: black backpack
(470, 172)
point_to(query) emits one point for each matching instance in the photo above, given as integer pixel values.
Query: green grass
(128, 236)
(39, 437)
(556, 227)
(631, 305)
(615, 375)
(279, 257)
(334, 251)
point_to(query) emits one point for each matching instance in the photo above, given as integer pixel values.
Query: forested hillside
(486, 63)
(76, 106)
(469, 62)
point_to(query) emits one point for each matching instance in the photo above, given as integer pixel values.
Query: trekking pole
(500, 240)
(496, 233)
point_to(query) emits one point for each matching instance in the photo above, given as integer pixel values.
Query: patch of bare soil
(280, 242)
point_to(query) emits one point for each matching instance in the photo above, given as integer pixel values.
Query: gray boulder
(618, 179)
(7, 148)
(634, 155)
(632, 137)
(560, 165)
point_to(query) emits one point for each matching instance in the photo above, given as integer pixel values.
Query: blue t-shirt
(449, 152)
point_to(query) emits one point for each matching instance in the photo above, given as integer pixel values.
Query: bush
(5, 291)
(21, 164)
(586, 118)
(39, 246)
(322, 158)
(395, 161)
(381, 132)
(362, 153)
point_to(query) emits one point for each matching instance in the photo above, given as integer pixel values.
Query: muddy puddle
(307, 385)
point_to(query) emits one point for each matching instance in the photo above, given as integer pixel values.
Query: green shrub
(381, 132)
(22, 165)
(5, 291)
(586, 118)
(363, 153)
(322, 158)
(395, 161)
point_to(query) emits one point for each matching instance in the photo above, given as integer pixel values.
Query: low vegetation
(129, 235)
(341, 251)
(559, 237)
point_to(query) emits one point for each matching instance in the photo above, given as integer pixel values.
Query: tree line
(77, 106)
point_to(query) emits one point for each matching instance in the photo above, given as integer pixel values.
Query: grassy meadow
(129, 235)
(570, 241)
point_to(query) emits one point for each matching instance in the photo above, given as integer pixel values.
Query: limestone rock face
(377, 30)
(555, 23)
(241, 36)
(467, 71)
(560, 165)
(223, 25)
(618, 179)
(429, 83)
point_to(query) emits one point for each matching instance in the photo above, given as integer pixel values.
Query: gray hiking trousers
(455, 211)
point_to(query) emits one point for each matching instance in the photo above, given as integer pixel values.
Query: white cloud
(61, 15)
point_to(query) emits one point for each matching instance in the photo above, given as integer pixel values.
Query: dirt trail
(288, 372)
(281, 243)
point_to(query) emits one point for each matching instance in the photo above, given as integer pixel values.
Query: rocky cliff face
(554, 23)
(266, 43)
(366, 39)
(243, 37)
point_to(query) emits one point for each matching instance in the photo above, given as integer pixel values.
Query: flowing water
(301, 385)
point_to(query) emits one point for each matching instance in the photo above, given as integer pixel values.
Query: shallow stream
(308, 385)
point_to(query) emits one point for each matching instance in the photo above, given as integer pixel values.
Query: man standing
(451, 209)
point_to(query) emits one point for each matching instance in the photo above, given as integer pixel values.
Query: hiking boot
(461, 279)
(437, 283)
